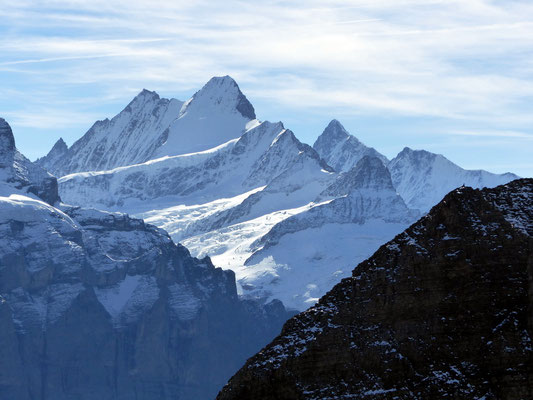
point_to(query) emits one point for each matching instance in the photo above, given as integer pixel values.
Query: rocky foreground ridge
(442, 311)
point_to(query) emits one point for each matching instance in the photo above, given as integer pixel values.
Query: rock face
(423, 178)
(101, 305)
(341, 150)
(19, 174)
(441, 311)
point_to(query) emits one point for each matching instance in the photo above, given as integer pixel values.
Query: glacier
(234, 188)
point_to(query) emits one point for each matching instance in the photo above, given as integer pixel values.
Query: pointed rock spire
(223, 91)
(144, 96)
(341, 150)
(7, 141)
(60, 147)
(335, 131)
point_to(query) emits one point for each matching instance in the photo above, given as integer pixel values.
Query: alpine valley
(290, 220)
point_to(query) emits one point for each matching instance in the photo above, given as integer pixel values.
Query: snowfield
(289, 219)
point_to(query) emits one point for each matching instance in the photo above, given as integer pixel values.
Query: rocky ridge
(423, 178)
(443, 310)
(131, 137)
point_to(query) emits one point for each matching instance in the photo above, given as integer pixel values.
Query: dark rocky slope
(445, 310)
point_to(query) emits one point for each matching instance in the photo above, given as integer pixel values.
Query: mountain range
(289, 219)
(96, 304)
(98, 301)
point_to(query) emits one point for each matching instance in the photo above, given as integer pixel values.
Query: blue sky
(452, 77)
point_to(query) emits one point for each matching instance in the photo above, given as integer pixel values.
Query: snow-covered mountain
(151, 127)
(423, 178)
(215, 114)
(131, 137)
(100, 305)
(51, 160)
(341, 150)
(289, 219)
(216, 202)
(250, 162)
(303, 255)
(420, 177)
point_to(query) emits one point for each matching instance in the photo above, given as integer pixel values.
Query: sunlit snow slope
(288, 218)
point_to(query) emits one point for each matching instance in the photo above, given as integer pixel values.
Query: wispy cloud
(497, 134)
(463, 61)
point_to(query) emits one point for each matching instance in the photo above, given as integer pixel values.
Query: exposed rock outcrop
(442, 311)
(17, 173)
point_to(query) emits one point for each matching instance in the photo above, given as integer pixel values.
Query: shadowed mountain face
(442, 311)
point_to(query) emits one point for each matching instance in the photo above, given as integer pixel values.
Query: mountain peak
(335, 131)
(144, 96)
(370, 172)
(223, 91)
(7, 140)
(60, 146)
(422, 178)
(340, 149)
(409, 151)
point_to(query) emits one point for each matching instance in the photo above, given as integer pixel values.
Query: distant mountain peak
(422, 178)
(407, 151)
(340, 149)
(60, 146)
(222, 91)
(7, 140)
(144, 96)
(370, 171)
(336, 131)
(59, 149)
